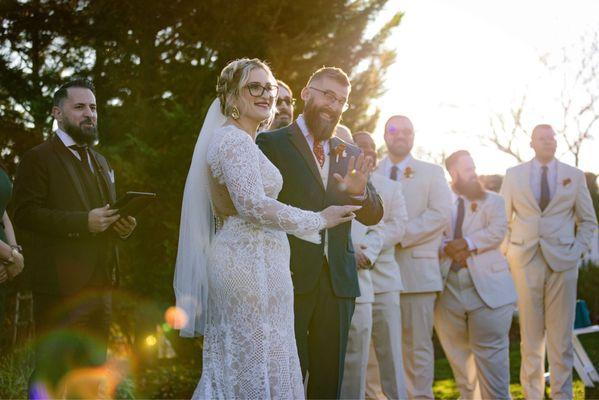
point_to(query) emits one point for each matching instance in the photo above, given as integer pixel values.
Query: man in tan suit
(474, 312)
(551, 223)
(428, 202)
(377, 253)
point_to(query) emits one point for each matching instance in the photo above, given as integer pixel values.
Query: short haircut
(360, 133)
(336, 74)
(541, 126)
(286, 86)
(62, 92)
(453, 158)
(398, 116)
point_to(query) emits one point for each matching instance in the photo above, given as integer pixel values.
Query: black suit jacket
(51, 205)
(288, 150)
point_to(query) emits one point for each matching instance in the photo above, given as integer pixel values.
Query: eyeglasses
(287, 100)
(257, 90)
(332, 98)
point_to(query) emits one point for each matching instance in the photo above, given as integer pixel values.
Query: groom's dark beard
(471, 189)
(318, 127)
(82, 133)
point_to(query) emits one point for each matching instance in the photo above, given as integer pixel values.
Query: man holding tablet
(63, 189)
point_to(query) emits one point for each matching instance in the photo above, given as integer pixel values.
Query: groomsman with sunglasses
(285, 107)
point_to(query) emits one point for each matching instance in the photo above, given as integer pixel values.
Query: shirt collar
(401, 165)
(537, 164)
(455, 197)
(66, 139)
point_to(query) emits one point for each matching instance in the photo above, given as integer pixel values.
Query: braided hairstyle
(233, 78)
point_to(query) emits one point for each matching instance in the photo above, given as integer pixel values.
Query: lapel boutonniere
(408, 172)
(339, 150)
(474, 206)
(566, 181)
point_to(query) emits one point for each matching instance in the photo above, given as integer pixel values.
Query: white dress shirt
(535, 178)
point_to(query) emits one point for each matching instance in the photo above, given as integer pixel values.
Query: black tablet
(132, 203)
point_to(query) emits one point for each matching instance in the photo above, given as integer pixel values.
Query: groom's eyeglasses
(332, 98)
(257, 90)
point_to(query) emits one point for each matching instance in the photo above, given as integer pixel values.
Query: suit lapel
(525, 186)
(299, 141)
(102, 168)
(334, 166)
(66, 157)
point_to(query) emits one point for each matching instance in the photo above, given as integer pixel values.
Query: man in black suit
(62, 191)
(318, 171)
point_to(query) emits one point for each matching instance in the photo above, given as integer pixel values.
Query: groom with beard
(62, 191)
(320, 170)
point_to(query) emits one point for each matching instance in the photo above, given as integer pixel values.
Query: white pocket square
(111, 175)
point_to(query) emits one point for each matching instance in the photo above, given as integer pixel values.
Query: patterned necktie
(544, 200)
(319, 152)
(394, 170)
(457, 232)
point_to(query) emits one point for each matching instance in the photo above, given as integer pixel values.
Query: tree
(578, 69)
(155, 66)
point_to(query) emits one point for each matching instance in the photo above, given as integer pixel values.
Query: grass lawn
(445, 388)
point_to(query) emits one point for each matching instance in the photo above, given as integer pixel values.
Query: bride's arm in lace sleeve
(239, 160)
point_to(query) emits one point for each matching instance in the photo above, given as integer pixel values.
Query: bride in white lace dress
(235, 285)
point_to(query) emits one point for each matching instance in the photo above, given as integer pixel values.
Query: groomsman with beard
(62, 191)
(474, 312)
(428, 203)
(320, 170)
(551, 224)
(377, 314)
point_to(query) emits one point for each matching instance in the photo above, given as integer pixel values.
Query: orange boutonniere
(473, 206)
(339, 150)
(408, 172)
(566, 181)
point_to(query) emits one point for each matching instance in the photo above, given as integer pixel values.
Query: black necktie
(544, 200)
(393, 175)
(82, 151)
(457, 232)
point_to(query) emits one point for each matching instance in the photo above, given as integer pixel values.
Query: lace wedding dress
(249, 341)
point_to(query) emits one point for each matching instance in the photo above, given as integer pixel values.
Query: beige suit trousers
(356, 355)
(475, 339)
(417, 313)
(546, 304)
(385, 372)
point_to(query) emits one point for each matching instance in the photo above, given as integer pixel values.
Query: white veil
(196, 232)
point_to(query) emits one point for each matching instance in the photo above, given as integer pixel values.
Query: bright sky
(461, 61)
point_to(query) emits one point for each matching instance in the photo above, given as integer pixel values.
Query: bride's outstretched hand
(335, 215)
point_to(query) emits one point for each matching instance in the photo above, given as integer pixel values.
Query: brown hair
(337, 74)
(454, 157)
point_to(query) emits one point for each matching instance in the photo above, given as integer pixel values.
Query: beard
(82, 134)
(320, 128)
(472, 189)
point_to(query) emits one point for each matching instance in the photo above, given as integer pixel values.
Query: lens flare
(176, 317)
(151, 340)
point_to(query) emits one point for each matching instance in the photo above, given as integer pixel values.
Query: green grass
(445, 388)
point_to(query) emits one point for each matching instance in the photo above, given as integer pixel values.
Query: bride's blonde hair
(233, 78)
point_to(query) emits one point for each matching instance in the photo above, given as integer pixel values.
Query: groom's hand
(356, 178)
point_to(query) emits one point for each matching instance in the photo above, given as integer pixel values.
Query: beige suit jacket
(428, 200)
(563, 230)
(485, 225)
(386, 276)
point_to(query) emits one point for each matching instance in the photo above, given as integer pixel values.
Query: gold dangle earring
(235, 113)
